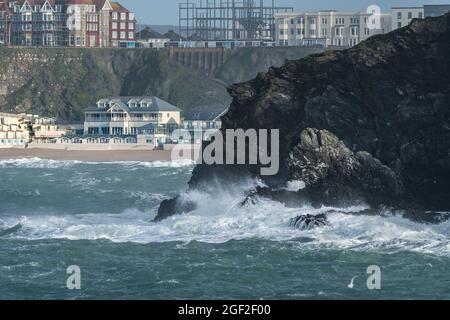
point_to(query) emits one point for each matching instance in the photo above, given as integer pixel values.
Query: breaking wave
(221, 219)
(218, 218)
(38, 163)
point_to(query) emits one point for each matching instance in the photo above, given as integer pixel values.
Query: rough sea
(97, 216)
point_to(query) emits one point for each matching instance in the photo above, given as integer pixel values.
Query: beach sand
(91, 156)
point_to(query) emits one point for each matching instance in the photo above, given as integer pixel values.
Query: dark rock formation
(369, 123)
(308, 222)
(332, 174)
(173, 206)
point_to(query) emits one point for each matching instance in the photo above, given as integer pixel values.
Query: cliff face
(62, 82)
(387, 101)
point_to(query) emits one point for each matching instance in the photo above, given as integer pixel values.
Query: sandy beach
(92, 156)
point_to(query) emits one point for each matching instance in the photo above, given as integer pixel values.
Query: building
(46, 130)
(201, 123)
(154, 43)
(402, 16)
(247, 20)
(4, 25)
(77, 23)
(328, 28)
(143, 118)
(15, 129)
(436, 10)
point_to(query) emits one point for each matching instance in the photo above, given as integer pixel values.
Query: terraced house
(76, 23)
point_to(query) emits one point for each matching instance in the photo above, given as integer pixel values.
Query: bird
(352, 285)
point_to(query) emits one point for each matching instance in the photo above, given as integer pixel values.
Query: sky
(165, 12)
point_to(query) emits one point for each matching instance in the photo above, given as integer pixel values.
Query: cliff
(61, 82)
(371, 123)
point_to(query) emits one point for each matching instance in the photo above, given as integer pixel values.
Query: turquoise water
(98, 216)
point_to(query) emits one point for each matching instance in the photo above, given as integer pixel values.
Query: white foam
(220, 218)
(38, 163)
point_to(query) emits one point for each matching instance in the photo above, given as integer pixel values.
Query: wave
(38, 163)
(221, 219)
(10, 230)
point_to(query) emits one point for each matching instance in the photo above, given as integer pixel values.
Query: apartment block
(328, 28)
(402, 16)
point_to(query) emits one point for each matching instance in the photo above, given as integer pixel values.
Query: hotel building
(328, 28)
(132, 116)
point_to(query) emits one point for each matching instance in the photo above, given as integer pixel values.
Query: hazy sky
(166, 11)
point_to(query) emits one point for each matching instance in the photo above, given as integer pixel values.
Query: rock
(174, 206)
(251, 199)
(334, 175)
(365, 124)
(309, 222)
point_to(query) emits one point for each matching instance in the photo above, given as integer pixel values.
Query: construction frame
(210, 20)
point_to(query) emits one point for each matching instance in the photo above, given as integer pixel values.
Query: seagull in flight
(352, 283)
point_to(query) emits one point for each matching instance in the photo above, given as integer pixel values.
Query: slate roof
(203, 115)
(156, 104)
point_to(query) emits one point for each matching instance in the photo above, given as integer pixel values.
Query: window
(131, 26)
(292, 21)
(420, 15)
(114, 16)
(114, 34)
(131, 16)
(410, 15)
(399, 25)
(292, 32)
(123, 16)
(130, 35)
(324, 21)
(123, 25)
(399, 15)
(122, 35)
(114, 25)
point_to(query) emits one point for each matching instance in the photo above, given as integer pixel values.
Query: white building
(148, 119)
(199, 124)
(328, 28)
(402, 16)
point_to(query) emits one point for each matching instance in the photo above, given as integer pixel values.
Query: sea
(97, 218)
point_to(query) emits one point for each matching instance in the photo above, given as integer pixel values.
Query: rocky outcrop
(369, 123)
(309, 222)
(329, 173)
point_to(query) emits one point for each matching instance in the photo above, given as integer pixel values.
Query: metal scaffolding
(229, 19)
